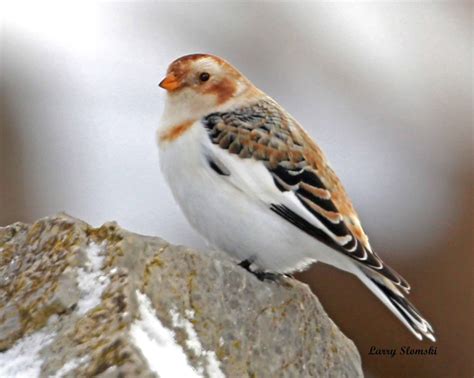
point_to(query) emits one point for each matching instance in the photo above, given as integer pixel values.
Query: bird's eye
(204, 76)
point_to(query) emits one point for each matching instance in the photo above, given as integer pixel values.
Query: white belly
(229, 218)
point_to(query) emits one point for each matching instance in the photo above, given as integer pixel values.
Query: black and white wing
(266, 134)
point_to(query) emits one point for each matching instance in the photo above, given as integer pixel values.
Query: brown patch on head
(194, 57)
(176, 131)
(223, 89)
(181, 66)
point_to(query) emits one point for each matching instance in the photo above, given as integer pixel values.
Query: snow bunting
(255, 185)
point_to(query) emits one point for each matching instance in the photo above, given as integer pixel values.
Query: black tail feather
(419, 326)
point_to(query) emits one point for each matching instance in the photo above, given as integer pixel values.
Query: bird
(255, 185)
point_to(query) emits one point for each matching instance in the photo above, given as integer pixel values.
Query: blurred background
(386, 89)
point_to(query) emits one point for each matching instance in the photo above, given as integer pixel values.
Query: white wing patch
(253, 178)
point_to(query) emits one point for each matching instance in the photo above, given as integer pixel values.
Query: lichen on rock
(108, 302)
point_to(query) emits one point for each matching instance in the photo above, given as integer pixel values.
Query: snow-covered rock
(80, 301)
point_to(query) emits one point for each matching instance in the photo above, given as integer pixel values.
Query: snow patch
(189, 313)
(157, 343)
(70, 365)
(23, 358)
(91, 280)
(194, 344)
(192, 341)
(213, 365)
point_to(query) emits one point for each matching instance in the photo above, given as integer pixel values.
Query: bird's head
(201, 83)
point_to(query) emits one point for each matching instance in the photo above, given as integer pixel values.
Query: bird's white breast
(236, 221)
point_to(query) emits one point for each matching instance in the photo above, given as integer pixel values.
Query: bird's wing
(263, 132)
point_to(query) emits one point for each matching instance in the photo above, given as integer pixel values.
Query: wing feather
(263, 132)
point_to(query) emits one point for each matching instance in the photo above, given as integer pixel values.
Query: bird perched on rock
(252, 182)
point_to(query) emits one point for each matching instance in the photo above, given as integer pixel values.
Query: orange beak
(170, 82)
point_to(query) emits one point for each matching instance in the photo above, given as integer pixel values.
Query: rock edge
(84, 301)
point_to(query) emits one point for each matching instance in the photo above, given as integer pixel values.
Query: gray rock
(82, 301)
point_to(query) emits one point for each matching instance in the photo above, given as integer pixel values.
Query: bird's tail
(398, 304)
